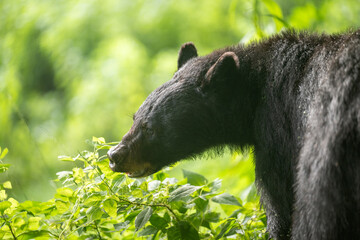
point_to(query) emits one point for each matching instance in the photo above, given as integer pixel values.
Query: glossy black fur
(296, 98)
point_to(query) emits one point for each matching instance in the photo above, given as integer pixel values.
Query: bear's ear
(187, 51)
(226, 67)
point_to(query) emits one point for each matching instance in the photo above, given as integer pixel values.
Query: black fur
(295, 97)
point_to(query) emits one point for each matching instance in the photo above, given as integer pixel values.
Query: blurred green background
(73, 69)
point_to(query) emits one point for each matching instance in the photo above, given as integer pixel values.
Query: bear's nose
(117, 155)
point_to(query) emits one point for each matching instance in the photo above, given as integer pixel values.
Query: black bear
(295, 97)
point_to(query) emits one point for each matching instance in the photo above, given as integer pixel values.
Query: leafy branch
(93, 202)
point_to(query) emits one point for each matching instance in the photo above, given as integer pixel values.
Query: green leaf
(225, 227)
(182, 192)
(161, 176)
(93, 198)
(3, 153)
(143, 218)
(215, 185)
(18, 222)
(78, 174)
(122, 225)
(171, 181)
(182, 231)
(235, 213)
(99, 140)
(194, 178)
(34, 223)
(7, 185)
(263, 218)
(64, 174)
(4, 205)
(104, 167)
(149, 230)
(4, 167)
(3, 195)
(201, 204)
(205, 224)
(173, 233)
(64, 191)
(42, 234)
(179, 205)
(226, 198)
(159, 222)
(110, 207)
(212, 217)
(167, 217)
(132, 215)
(66, 158)
(252, 194)
(152, 185)
(94, 213)
(62, 206)
(117, 181)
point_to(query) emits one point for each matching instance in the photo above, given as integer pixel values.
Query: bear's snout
(117, 155)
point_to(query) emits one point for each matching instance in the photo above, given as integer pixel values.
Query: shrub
(92, 202)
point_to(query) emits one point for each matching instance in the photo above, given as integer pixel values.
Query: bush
(92, 202)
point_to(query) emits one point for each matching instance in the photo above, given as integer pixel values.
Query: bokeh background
(73, 69)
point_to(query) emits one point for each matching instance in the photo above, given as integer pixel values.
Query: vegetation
(73, 69)
(92, 202)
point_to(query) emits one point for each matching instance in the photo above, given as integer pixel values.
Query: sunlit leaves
(14, 205)
(7, 185)
(182, 231)
(40, 234)
(18, 222)
(66, 158)
(4, 205)
(34, 223)
(93, 202)
(110, 207)
(226, 198)
(143, 217)
(4, 167)
(99, 140)
(94, 213)
(65, 191)
(182, 192)
(194, 178)
(62, 206)
(3, 153)
(3, 195)
(159, 222)
(152, 185)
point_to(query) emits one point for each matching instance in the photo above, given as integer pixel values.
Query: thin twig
(9, 225)
(12, 232)
(97, 230)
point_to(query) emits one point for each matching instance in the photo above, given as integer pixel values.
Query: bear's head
(181, 118)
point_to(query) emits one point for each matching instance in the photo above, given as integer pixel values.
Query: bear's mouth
(134, 170)
(146, 171)
(142, 173)
(138, 174)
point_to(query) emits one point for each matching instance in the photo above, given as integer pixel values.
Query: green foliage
(92, 202)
